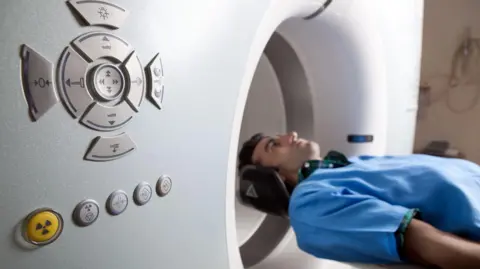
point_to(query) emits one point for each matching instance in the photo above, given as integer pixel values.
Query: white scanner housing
(120, 121)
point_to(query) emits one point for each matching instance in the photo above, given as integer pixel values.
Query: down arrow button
(104, 118)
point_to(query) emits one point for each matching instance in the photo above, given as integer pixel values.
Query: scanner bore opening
(279, 100)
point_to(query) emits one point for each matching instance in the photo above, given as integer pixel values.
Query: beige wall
(444, 23)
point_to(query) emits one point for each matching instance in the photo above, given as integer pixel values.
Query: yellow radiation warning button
(43, 226)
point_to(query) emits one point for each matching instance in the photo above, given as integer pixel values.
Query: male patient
(415, 209)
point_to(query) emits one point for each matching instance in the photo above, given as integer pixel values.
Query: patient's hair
(246, 152)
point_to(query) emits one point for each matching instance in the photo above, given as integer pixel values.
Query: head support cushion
(263, 189)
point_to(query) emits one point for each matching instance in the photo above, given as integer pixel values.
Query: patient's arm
(426, 245)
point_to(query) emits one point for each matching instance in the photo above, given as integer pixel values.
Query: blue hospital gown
(351, 213)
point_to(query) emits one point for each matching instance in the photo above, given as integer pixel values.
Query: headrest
(263, 189)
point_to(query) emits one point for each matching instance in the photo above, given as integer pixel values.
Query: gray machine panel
(41, 162)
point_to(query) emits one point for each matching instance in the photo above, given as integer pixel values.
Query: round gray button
(158, 91)
(86, 213)
(157, 71)
(164, 185)
(108, 81)
(142, 193)
(117, 202)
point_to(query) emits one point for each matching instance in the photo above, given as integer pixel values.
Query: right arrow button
(155, 81)
(103, 118)
(137, 81)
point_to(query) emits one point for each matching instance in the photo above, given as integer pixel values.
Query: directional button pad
(101, 80)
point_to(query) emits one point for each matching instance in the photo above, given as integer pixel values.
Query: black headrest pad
(263, 189)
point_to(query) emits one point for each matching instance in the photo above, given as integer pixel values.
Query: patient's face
(286, 152)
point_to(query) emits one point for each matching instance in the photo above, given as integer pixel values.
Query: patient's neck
(292, 180)
(292, 176)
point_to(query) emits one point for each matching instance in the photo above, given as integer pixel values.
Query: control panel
(99, 79)
(102, 84)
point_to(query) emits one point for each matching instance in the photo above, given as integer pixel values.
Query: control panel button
(108, 82)
(97, 45)
(103, 13)
(137, 81)
(110, 148)
(142, 193)
(38, 85)
(117, 202)
(164, 185)
(155, 81)
(72, 73)
(43, 226)
(86, 213)
(103, 118)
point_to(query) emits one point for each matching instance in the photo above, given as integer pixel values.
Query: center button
(108, 82)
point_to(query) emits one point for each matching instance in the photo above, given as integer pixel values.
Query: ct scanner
(120, 121)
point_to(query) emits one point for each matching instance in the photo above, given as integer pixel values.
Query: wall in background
(445, 22)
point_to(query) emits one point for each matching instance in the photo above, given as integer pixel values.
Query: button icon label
(103, 12)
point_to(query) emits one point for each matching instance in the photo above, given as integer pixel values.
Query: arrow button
(156, 85)
(110, 148)
(137, 87)
(103, 118)
(72, 73)
(37, 74)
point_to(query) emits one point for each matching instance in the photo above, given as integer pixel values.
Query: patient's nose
(289, 138)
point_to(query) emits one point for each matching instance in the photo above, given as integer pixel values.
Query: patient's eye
(270, 144)
(273, 143)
